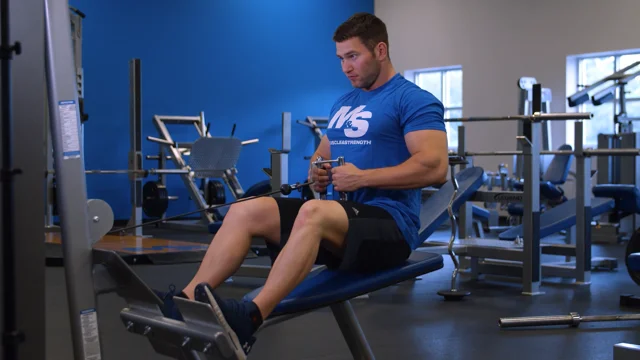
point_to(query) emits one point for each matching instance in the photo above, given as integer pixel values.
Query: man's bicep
(324, 149)
(429, 142)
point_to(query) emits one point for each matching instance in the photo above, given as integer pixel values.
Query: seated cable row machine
(90, 272)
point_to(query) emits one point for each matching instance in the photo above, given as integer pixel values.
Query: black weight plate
(633, 246)
(215, 193)
(221, 194)
(155, 199)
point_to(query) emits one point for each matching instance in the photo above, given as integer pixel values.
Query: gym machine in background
(518, 251)
(152, 198)
(614, 170)
(75, 20)
(522, 257)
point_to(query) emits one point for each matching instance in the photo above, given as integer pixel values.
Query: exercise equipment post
(135, 141)
(23, 249)
(280, 157)
(583, 209)
(531, 154)
(526, 104)
(69, 167)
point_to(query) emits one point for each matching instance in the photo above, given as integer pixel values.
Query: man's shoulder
(409, 91)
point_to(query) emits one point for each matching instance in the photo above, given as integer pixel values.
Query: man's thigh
(333, 220)
(374, 241)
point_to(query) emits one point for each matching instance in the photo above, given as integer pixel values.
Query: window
(593, 68)
(446, 85)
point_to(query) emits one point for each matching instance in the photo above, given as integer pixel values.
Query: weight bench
(560, 218)
(623, 198)
(626, 197)
(200, 337)
(556, 174)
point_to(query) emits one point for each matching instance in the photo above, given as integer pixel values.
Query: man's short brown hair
(369, 28)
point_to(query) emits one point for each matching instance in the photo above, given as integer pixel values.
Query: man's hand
(347, 177)
(319, 177)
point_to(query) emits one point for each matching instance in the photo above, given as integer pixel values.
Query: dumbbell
(321, 161)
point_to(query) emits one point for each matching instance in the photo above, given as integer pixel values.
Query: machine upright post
(135, 152)
(531, 220)
(583, 208)
(21, 137)
(280, 158)
(465, 214)
(77, 242)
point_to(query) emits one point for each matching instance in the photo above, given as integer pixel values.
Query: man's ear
(381, 50)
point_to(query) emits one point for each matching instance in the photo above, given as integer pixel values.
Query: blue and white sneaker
(240, 320)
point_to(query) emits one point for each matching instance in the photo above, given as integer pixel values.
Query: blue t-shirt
(368, 128)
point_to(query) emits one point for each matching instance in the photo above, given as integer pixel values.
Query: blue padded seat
(627, 196)
(633, 262)
(560, 218)
(558, 170)
(333, 286)
(329, 287)
(547, 189)
(469, 181)
(517, 209)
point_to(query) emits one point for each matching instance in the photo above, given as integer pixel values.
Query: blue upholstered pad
(627, 196)
(560, 218)
(547, 189)
(633, 262)
(469, 180)
(558, 170)
(329, 287)
(517, 209)
(480, 213)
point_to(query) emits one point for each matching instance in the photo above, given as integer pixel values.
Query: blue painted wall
(242, 62)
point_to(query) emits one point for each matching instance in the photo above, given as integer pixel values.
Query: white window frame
(412, 76)
(573, 80)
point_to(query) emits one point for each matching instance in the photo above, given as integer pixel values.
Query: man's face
(358, 63)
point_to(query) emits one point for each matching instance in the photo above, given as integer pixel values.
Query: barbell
(537, 116)
(586, 153)
(142, 173)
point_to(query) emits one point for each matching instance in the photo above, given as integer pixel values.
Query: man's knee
(312, 213)
(259, 215)
(327, 216)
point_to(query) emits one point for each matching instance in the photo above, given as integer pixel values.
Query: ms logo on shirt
(353, 121)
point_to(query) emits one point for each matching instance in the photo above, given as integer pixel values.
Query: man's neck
(386, 73)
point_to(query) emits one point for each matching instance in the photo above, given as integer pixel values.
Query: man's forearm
(411, 174)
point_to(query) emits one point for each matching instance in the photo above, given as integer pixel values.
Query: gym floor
(406, 321)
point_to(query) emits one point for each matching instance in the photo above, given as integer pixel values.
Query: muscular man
(392, 136)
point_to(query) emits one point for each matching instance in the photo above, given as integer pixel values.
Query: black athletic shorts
(373, 241)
